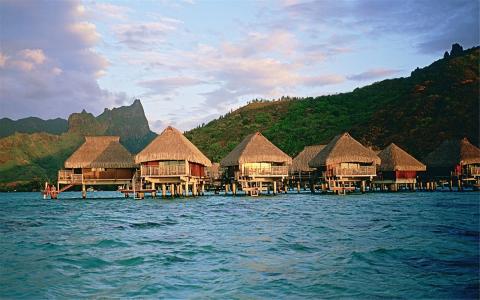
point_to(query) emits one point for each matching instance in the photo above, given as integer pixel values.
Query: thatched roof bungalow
(345, 156)
(100, 152)
(172, 154)
(255, 148)
(398, 166)
(300, 162)
(256, 161)
(99, 160)
(457, 156)
(214, 171)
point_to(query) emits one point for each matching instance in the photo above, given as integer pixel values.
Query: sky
(190, 61)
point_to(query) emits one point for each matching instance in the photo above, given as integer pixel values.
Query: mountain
(437, 102)
(418, 112)
(28, 160)
(128, 122)
(32, 125)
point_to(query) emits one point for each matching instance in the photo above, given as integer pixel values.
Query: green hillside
(28, 160)
(418, 112)
(32, 125)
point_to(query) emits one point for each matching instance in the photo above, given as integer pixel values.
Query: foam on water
(405, 245)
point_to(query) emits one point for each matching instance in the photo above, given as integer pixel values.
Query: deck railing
(164, 170)
(69, 176)
(266, 171)
(359, 171)
(475, 170)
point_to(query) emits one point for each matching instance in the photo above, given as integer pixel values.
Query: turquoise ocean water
(405, 245)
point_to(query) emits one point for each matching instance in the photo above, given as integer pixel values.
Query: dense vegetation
(32, 125)
(28, 160)
(418, 112)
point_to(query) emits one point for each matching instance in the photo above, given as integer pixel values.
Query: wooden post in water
(172, 190)
(298, 187)
(154, 192)
(194, 190)
(164, 190)
(203, 189)
(84, 192)
(234, 188)
(274, 187)
(362, 188)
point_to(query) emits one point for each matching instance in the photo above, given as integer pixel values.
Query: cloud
(430, 25)
(322, 80)
(145, 34)
(3, 59)
(101, 11)
(373, 74)
(238, 77)
(256, 43)
(49, 67)
(169, 84)
(35, 55)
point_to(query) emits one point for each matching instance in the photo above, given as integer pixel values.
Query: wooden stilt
(164, 190)
(180, 189)
(194, 190)
(172, 190)
(362, 188)
(186, 189)
(274, 187)
(234, 189)
(84, 192)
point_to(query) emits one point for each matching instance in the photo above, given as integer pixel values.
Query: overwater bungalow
(397, 169)
(214, 175)
(174, 163)
(100, 160)
(455, 161)
(343, 164)
(301, 173)
(256, 165)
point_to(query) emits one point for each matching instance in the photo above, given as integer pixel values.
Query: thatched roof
(101, 152)
(214, 171)
(171, 144)
(300, 162)
(255, 148)
(453, 152)
(395, 158)
(343, 148)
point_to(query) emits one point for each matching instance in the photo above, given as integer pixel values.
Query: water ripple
(296, 246)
